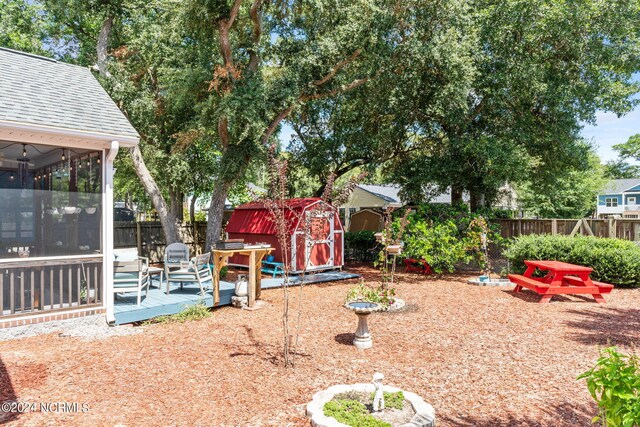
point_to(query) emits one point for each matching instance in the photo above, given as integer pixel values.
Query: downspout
(108, 230)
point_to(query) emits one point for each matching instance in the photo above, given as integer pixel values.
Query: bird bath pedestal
(363, 309)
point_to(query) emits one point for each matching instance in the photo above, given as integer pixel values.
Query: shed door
(319, 247)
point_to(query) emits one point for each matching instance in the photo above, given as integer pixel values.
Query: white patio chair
(130, 276)
(196, 271)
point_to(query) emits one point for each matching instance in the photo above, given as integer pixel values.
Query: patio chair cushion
(126, 276)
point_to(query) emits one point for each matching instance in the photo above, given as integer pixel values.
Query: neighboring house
(59, 134)
(364, 209)
(621, 197)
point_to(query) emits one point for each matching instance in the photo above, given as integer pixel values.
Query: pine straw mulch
(481, 356)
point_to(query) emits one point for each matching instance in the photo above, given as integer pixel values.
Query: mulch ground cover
(482, 356)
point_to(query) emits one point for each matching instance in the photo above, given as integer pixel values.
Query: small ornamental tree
(284, 217)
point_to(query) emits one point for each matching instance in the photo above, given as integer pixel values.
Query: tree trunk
(176, 206)
(477, 201)
(456, 195)
(216, 212)
(166, 219)
(103, 44)
(192, 209)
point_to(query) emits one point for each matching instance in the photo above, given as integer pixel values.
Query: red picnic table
(561, 278)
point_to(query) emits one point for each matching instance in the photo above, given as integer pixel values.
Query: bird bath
(363, 309)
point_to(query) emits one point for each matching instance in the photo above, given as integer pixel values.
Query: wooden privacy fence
(627, 229)
(149, 238)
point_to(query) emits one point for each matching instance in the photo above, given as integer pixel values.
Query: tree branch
(233, 13)
(223, 131)
(345, 88)
(224, 25)
(103, 44)
(304, 98)
(337, 68)
(254, 13)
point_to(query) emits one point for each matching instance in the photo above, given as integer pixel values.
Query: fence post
(554, 226)
(139, 237)
(612, 228)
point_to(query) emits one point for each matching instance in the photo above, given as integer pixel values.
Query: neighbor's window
(611, 202)
(341, 214)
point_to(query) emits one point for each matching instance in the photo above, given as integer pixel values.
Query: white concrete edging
(425, 414)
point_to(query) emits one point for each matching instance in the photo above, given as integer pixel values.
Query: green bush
(363, 238)
(352, 413)
(437, 243)
(614, 383)
(613, 261)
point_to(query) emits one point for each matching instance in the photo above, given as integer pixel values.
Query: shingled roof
(619, 185)
(42, 91)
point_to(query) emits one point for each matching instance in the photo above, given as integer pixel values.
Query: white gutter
(107, 230)
(127, 141)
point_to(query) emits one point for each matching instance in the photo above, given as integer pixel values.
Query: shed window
(611, 202)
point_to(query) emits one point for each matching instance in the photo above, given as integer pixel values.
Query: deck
(157, 303)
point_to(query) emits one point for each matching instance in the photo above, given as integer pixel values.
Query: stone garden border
(425, 414)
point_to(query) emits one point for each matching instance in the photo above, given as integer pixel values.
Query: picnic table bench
(272, 267)
(561, 278)
(417, 265)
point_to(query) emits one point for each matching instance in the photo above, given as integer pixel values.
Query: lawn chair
(175, 255)
(130, 276)
(196, 271)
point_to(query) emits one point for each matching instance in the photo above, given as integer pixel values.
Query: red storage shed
(320, 249)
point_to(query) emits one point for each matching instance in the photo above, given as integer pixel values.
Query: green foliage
(223, 272)
(437, 243)
(572, 194)
(540, 69)
(447, 235)
(197, 311)
(382, 295)
(629, 149)
(392, 400)
(22, 26)
(613, 261)
(619, 169)
(614, 384)
(352, 413)
(364, 238)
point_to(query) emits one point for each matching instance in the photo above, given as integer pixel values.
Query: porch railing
(39, 285)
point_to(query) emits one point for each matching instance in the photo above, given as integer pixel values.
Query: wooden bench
(417, 265)
(272, 267)
(603, 288)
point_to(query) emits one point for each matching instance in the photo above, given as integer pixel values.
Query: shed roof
(620, 185)
(41, 91)
(254, 217)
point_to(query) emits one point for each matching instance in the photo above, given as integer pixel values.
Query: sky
(611, 130)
